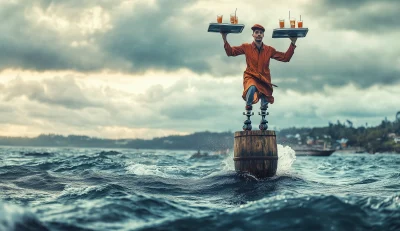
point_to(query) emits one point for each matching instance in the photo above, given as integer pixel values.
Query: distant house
(396, 138)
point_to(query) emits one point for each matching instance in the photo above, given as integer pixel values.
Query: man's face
(258, 35)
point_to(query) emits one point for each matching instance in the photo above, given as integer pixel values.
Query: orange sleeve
(233, 51)
(284, 57)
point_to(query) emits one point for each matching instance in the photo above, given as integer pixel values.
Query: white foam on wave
(78, 191)
(286, 157)
(11, 214)
(154, 170)
(228, 164)
(143, 169)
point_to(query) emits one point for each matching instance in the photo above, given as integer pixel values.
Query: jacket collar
(255, 46)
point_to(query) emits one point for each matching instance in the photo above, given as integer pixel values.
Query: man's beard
(259, 39)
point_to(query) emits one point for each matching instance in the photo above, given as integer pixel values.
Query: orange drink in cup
(233, 17)
(281, 23)
(236, 20)
(219, 18)
(300, 24)
(292, 23)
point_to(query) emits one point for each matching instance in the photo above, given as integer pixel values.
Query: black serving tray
(225, 28)
(289, 32)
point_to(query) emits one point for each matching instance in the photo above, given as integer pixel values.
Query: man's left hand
(293, 40)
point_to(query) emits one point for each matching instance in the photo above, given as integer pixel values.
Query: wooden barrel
(256, 152)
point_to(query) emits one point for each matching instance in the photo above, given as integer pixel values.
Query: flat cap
(258, 27)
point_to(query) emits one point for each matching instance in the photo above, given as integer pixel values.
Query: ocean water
(112, 189)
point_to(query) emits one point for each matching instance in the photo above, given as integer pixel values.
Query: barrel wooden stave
(256, 152)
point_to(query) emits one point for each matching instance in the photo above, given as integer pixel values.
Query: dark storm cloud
(62, 92)
(352, 5)
(315, 68)
(149, 37)
(27, 44)
(167, 36)
(161, 37)
(368, 16)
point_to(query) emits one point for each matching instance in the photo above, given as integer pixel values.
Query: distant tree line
(197, 141)
(373, 139)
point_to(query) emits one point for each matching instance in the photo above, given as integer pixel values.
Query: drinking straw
(289, 14)
(300, 17)
(234, 20)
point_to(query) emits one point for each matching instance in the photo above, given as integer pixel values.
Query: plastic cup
(281, 23)
(300, 24)
(219, 18)
(292, 23)
(233, 18)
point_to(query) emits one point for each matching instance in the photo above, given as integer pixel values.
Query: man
(256, 78)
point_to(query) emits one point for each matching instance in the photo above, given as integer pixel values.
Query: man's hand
(224, 36)
(293, 40)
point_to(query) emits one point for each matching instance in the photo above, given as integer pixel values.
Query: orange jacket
(257, 71)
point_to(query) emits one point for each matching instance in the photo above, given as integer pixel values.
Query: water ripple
(105, 189)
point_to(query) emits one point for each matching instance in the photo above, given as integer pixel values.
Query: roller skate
(248, 113)
(263, 124)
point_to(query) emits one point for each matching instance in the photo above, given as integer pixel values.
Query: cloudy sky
(144, 69)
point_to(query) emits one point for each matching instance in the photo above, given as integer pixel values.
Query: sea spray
(286, 157)
(228, 164)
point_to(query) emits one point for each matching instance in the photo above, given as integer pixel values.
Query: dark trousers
(250, 97)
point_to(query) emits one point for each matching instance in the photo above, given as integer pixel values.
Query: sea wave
(103, 189)
(16, 218)
(289, 213)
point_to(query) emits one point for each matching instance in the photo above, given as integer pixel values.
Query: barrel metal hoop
(255, 158)
(255, 133)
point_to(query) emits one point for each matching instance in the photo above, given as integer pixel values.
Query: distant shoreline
(380, 139)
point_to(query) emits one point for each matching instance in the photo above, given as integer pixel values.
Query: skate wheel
(247, 127)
